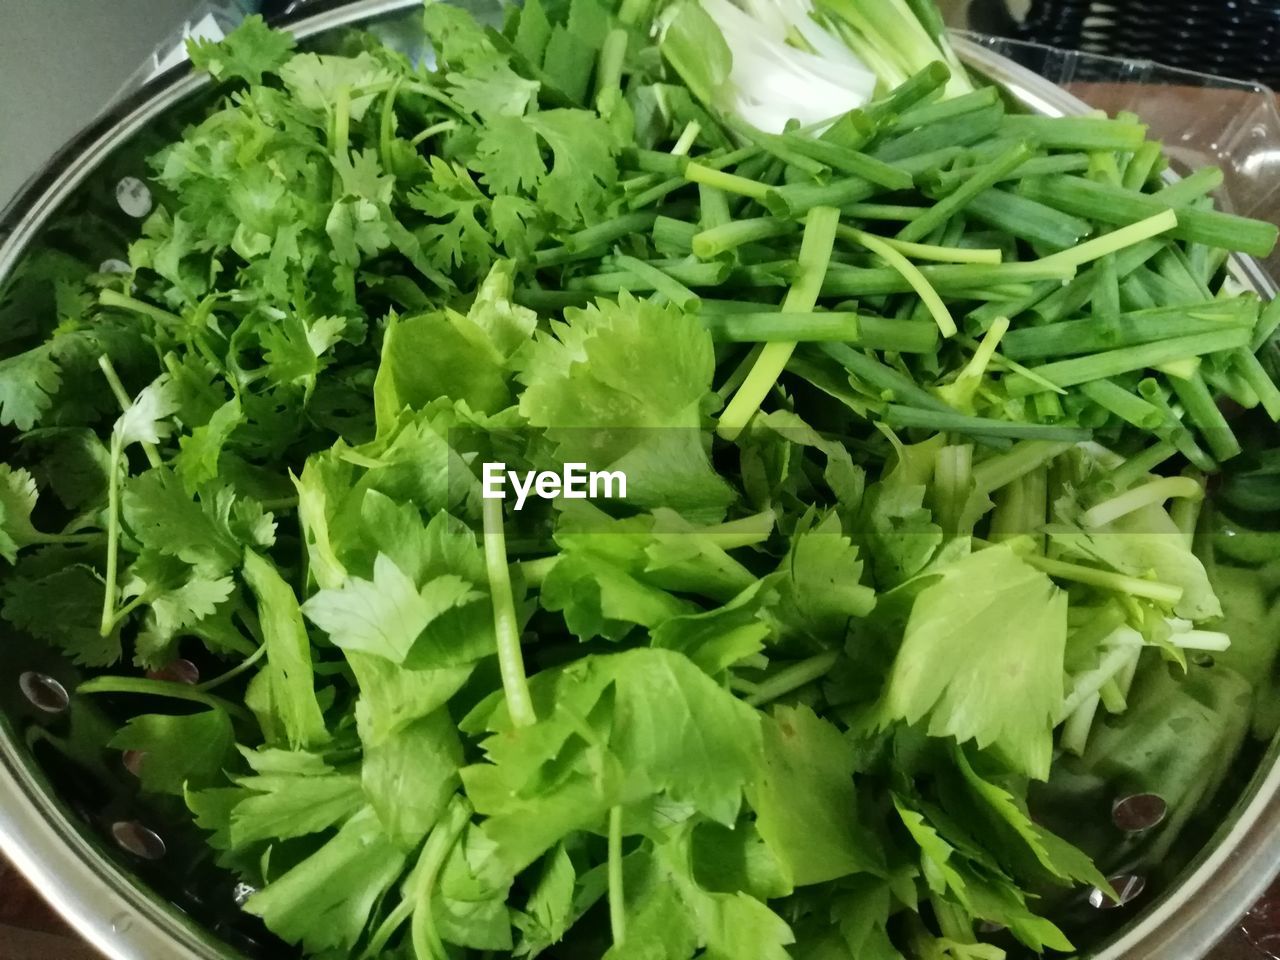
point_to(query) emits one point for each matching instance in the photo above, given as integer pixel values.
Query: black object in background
(1228, 38)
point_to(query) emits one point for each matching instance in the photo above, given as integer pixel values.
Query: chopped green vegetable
(903, 410)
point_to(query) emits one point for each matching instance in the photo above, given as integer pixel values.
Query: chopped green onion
(660, 281)
(928, 295)
(811, 264)
(1117, 240)
(1066, 373)
(902, 416)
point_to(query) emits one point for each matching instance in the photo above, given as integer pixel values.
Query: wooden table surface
(29, 930)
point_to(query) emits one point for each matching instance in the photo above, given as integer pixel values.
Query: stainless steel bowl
(79, 850)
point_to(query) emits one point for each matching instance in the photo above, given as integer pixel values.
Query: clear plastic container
(1203, 120)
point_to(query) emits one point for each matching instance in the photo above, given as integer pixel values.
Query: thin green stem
(688, 137)
(161, 688)
(617, 893)
(902, 416)
(243, 666)
(613, 54)
(811, 266)
(124, 612)
(435, 852)
(992, 474)
(1139, 465)
(113, 535)
(1116, 240)
(982, 180)
(1068, 373)
(924, 290)
(111, 298)
(444, 126)
(792, 678)
(505, 625)
(1149, 494)
(1106, 580)
(122, 397)
(1202, 410)
(660, 281)
(1122, 403)
(387, 124)
(925, 251)
(728, 182)
(728, 236)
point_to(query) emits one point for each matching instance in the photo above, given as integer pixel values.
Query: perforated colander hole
(133, 197)
(241, 893)
(1139, 811)
(1128, 887)
(134, 838)
(43, 692)
(177, 671)
(132, 760)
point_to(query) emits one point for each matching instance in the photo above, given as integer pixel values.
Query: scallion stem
(925, 251)
(728, 182)
(720, 239)
(660, 281)
(1203, 411)
(1116, 240)
(811, 266)
(902, 416)
(927, 294)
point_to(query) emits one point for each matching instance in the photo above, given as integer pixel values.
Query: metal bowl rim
(124, 921)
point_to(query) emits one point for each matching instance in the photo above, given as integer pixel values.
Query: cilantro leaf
(670, 916)
(63, 607)
(583, 165)
(392, 697)
(199, 452)
(246, 53)
(550, 908)
(164, 518)
(28, 384)
(708, 769)
(819, 584)
(17, 500)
